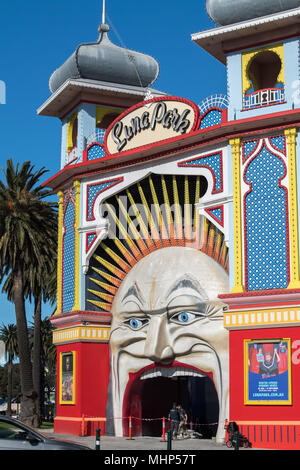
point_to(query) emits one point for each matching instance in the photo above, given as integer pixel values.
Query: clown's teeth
(170, 372)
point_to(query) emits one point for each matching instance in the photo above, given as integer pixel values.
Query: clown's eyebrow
(133, 290)
(187, 283)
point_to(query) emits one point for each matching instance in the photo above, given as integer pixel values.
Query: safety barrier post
(236, 441)
(82, 425)
(164, 430)
(98, 437)
(130, 429)
(225, 427)
(169, 443)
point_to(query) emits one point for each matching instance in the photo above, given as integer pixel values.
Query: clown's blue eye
(136, 323)
(184, 317)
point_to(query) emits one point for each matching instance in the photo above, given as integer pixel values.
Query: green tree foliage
(48, 361)
(8, 334)
(16, 384)
(28, 227)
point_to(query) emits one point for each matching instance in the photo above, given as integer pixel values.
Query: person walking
(183, 418)
(174, 417)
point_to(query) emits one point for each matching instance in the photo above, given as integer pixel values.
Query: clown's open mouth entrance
(153, 393)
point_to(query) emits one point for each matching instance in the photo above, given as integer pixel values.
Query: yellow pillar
(60, 195)
(291, 135)
(238, 248)
(76, 306)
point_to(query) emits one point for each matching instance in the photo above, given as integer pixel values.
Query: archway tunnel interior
(197, 396)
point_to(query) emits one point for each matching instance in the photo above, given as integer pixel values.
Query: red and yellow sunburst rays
(158, 212)
(213, 243)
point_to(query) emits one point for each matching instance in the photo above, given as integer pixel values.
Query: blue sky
(36, 37)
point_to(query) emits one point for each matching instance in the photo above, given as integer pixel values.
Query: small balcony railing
(266, 97)
(95, 137)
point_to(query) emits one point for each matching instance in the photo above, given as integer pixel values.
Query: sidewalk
(140, 443)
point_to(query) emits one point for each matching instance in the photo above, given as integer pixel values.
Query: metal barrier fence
(89, 425)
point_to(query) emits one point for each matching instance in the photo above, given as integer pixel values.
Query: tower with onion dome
(258, 43)
(98, 82)
(178, 235)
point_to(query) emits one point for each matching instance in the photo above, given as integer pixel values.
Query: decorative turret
(91, 88)
(104, 61)
(224, 12)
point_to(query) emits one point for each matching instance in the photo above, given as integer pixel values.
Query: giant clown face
(167, 313)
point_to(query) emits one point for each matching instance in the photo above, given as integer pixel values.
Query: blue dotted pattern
(95, 152)
(248, 148)
(266, 221)
(214, 163)
(90, 238)
(68, 258)
(93, 191)
(217, 213)
(278, 142)
(212, 118)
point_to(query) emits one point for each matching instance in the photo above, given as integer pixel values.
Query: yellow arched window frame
(247, 58)
(72, 122)
(101, 112)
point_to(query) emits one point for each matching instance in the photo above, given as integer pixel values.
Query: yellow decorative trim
(238, 249)
(81, 333)
(60, 195)
(77, 247)
(247, 58)
(291, 135)
(266, 402)
(70, 127)
(261, 318)
(61, 401)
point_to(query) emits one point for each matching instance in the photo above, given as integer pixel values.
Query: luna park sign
(150, 122)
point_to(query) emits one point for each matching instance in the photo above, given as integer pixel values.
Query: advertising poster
(67, 378)
(267, 372)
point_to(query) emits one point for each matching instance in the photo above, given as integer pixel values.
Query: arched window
(263, 70)
(263, 77)
(106, 120)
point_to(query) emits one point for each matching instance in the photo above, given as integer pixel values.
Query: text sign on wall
(150, 122)
(267, 372)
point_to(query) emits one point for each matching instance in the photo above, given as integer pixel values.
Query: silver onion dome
(225, 12)
(106, 62)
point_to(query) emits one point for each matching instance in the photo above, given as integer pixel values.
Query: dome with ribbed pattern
(106, 62)
(225, 12)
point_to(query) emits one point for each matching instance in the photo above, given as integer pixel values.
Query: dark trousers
(174, 427)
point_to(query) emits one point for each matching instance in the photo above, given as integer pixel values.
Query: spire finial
(103, 27)
(103, 12)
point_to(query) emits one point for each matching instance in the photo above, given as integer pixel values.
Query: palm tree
(43, 289)
(48, 359)
(26, 226)
(39, 285)
(8, 334)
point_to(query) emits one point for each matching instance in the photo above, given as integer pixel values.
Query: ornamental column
(291, 135)
(76, 306)
(238, 252)
(60, 195)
